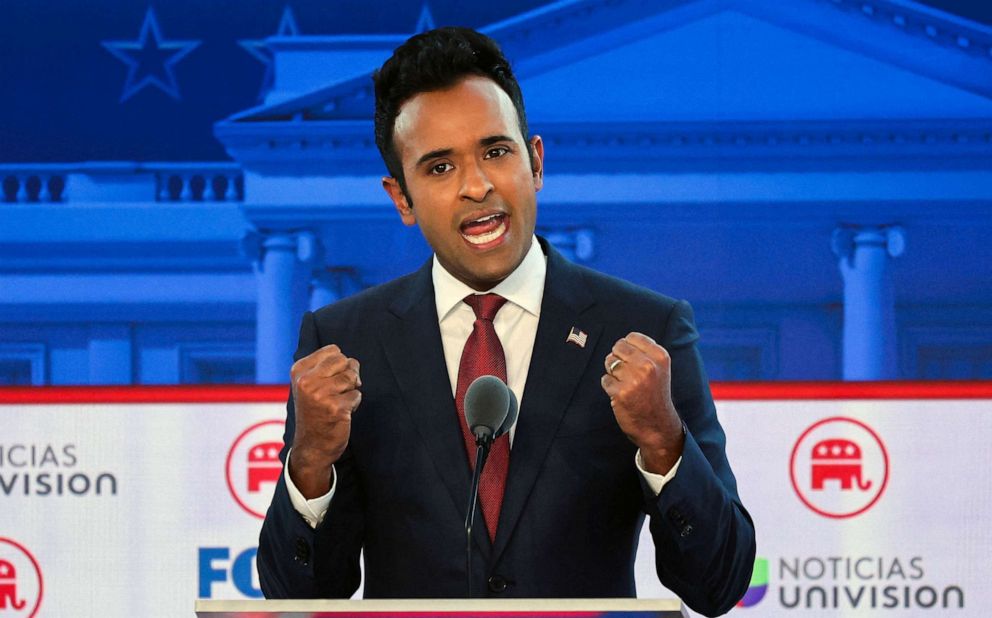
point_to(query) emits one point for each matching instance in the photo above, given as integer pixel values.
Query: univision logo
(758, 587)
(851, 582)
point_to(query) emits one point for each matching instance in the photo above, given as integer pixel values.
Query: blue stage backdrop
(181, 180)
(136, 81)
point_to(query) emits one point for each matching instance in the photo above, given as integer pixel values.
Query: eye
(438, 169)
(497, 152)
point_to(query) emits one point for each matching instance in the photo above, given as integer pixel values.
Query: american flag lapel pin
(577, 337)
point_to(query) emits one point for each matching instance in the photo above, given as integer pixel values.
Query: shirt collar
(524, 287)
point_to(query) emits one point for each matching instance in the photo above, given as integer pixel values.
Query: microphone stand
(482, 443)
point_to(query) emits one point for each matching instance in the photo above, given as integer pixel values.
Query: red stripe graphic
(278, 393)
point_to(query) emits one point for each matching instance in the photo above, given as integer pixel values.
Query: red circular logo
(253, 467)
(21, 584)
(839, 467)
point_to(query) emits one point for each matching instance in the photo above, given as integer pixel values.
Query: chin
(489, 278)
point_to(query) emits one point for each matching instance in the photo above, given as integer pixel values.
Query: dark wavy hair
(436, 60)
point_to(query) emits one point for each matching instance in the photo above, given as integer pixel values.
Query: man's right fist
(325, 393)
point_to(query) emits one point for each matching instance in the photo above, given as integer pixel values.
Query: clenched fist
(325, 394)
(638, 380)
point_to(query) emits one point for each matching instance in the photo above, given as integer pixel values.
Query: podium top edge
(209, 608)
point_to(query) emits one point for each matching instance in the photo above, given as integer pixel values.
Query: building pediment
(733, 64)
(695, 67)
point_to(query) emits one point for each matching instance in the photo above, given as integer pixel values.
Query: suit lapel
(554, 373)
(411, 339)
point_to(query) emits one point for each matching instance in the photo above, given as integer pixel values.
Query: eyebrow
(444, 152)
(434, 154)
(494, 139)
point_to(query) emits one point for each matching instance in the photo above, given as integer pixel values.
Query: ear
(537, 168)
(396, 194)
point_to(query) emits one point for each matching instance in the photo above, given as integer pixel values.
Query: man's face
(469, 178)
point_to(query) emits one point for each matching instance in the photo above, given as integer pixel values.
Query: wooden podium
(447, 608)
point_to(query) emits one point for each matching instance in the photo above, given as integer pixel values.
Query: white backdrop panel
(137, 509)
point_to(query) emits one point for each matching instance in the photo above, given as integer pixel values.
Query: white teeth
(482, 239)
(484, 219)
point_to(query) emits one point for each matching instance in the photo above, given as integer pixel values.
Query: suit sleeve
(704, 538)
(294, 560)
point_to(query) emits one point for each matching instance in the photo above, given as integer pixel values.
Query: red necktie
(483, 355)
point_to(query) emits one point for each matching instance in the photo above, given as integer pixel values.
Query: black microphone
(487, 402)
(487, 406)
(511, 415)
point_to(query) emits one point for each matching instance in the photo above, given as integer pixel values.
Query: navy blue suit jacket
(574, 501)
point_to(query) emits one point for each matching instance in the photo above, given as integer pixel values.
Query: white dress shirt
(515, 324)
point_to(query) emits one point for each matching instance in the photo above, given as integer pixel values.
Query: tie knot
(485, 306)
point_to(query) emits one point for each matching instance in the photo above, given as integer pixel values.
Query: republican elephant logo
(838, 459)
(253, 468)
(839, 467)
(263, 464)
(8, 587)
(21, 584)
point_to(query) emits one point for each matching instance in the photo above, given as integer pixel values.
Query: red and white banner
(867, 499)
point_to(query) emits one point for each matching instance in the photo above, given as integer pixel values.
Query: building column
(324, 289)
(865, 254)
(110, 355)
(331, 284)
(282, 265)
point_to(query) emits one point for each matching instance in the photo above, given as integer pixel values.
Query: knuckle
(354, 398)
(296, 370)
(340, 383)
(331, 354)
(319, 400)
(304, 382)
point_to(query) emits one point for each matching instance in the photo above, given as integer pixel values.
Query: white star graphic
(4, 570)
(261, 52)
(151, 59)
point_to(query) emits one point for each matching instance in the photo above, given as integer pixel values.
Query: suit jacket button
(302, 551)
(497, 583)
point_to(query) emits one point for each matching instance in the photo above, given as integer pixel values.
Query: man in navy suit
(616, 418)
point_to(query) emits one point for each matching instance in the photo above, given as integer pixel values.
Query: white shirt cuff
(656, 481)
(313, 511)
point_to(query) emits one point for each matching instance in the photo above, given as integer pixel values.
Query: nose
(476, 186)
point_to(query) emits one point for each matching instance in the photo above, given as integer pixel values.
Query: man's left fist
(638, 380)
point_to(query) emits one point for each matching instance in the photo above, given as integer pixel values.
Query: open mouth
(484, 230)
